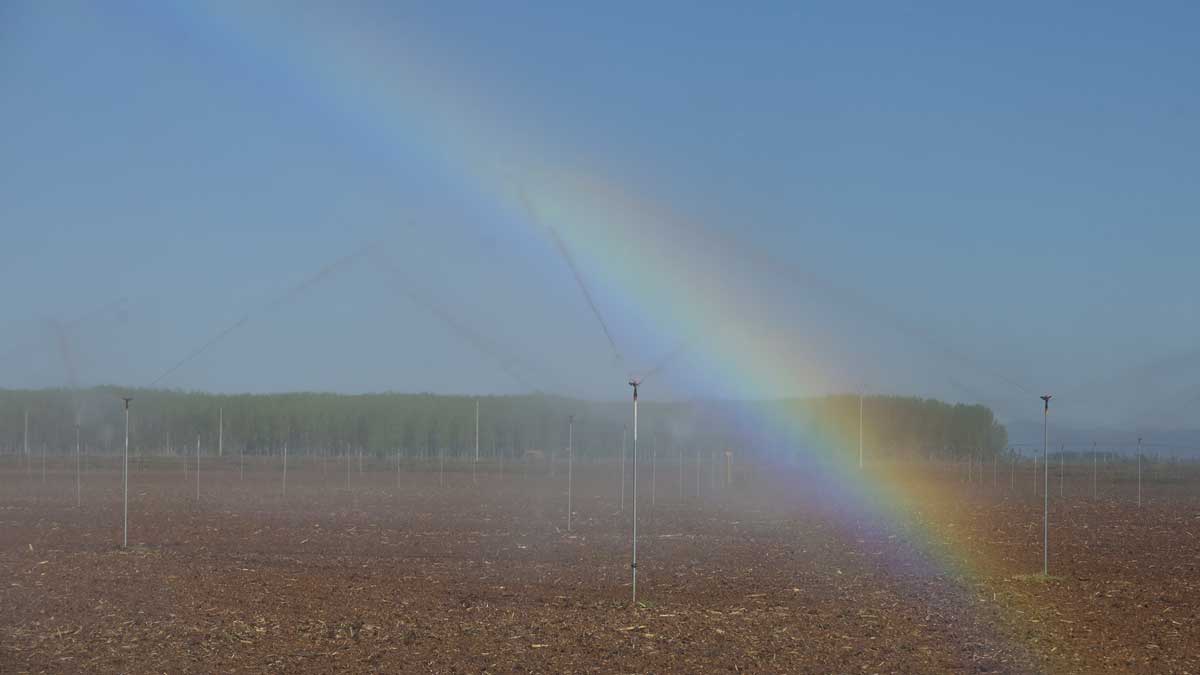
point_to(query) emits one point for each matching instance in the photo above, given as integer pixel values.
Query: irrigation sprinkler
(285, 449)
(125, 479)
(474, 479)
(1062, 462)
(681, 472)
(1139, 460)
(624, 430)
(1093, 469)
(25, 440)
(220, 432)
(78, 479)
(570, 464)
(633, 566)
(197, 468)
(1046, 495)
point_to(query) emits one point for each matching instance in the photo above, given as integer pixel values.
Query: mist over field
(367, 337)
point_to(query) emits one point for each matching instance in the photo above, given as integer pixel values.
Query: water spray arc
(289, 295)
(583, 287)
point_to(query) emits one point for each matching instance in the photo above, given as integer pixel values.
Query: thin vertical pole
(1139, 458)
(220, 432)
(1093, 469)
(681, 472)
(1046, 494)
(285, 453)
(570, 465)
(441, 467)
(697, 473)
(1062, 462)
(634, 565)
(197, 467)
(25, 437)
(125, 482)
(476, 464)
(78, 478)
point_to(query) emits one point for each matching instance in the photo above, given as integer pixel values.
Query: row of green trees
(421, 424)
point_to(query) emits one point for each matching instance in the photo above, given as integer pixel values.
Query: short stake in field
(125, 479)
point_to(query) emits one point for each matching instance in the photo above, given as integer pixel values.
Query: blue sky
(1018, 181)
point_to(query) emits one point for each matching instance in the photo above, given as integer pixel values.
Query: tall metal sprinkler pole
(570, 465)
(1139, 454)
(1046, 491)
(220, 432)
(125, 480)
(634, 383)
(197, 468)
(285, 469)
(25, 437)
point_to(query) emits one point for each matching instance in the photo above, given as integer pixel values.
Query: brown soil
(484, 578)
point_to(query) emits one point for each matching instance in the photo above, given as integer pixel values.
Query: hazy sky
(977, 203)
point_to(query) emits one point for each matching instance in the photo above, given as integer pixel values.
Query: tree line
(168, 421)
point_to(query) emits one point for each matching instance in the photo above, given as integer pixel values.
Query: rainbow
(658, 266)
